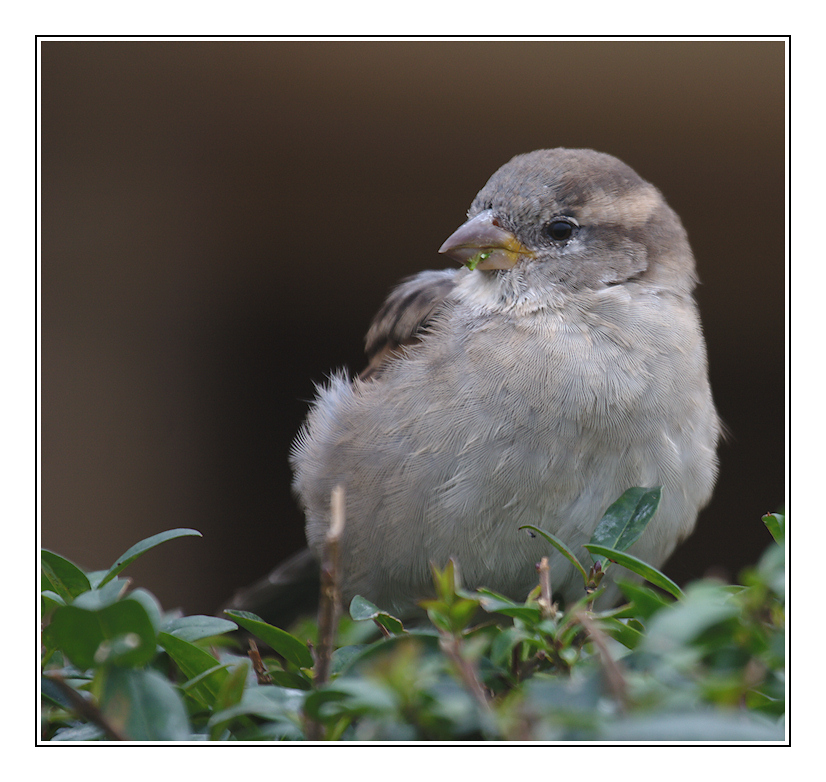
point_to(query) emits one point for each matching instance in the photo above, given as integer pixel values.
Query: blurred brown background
(220, 220)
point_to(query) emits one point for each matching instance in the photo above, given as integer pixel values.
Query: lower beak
(481, 243)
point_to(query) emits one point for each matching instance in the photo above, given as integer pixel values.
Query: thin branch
(384, 631)
(452, 647)
(261, 673)
(329, 600)
(329, 605)
(545, 595)
(84, 708)
(612, 668)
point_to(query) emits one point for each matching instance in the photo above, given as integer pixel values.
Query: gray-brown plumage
(404, 317)
(567, 366)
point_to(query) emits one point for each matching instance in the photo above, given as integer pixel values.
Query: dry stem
(612, 668)
(85, 708)
(329, 600)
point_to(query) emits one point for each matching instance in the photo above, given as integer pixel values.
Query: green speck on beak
(473, 262)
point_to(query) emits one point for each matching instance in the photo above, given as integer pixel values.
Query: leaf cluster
(706, 664)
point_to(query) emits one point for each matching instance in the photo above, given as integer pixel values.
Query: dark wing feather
(404, 316)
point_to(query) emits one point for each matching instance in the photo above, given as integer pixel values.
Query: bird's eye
(560, 229)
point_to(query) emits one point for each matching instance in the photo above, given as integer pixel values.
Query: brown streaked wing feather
(404, 316)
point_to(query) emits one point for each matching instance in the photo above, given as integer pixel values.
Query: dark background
(220, 220)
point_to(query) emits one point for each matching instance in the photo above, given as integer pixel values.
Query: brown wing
(404, 316)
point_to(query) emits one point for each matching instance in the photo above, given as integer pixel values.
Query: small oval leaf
(194, 661)
(626, 519)
(561, 547)
(131, 554)
(66, 578)
(650, 574)
(776, 525)
(143, 706)
(361, 609)
(288, 646)
(122, 633)
(194, 628)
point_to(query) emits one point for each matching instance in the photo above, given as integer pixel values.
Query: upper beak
(482, 243)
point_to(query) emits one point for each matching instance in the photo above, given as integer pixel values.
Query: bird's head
(574, 218)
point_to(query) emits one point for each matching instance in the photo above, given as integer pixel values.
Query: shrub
(704, 664)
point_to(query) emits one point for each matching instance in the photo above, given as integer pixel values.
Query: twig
(85, 708)
(613, 670)
(329, 600)
(384, 631)
(261, 673)
(545, 595)
(328, 610)
(451, 646)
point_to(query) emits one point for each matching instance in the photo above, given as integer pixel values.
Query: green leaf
(288, 646)
(232, 688)
(51, 693)
(639, 567)
(48, 601)
(96, 599)
(705, 605)
(776, 524)
(143, 706)
(461, 612)
(361, 660)
(120, 632)
(66, 578)
(293, 681)
(348, 696)
(95, 577)
(626, 519)
(196, 688)
(503, 644)
(438, 612)
(194, 661)
(344, 656)
(131, 554)
(194, 628)
(646, 602)
(269, 703)
(445, 581)
(561, 547)
(772, 569)
(362, 609)
(495, 603)
(626, 634)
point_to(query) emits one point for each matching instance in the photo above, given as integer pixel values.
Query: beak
(481, 243)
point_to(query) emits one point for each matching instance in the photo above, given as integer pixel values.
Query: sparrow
(562, 363)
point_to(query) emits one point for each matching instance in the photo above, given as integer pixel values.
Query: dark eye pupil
(559, 230)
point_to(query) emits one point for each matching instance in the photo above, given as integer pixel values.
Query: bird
(560, 363)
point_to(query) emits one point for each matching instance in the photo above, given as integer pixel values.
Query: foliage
(706, 664)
